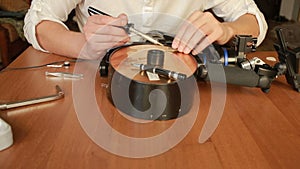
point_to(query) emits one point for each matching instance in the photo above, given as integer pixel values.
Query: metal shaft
(59, 94)
(145, 36)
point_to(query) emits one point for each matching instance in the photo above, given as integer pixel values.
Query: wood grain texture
(257, 130)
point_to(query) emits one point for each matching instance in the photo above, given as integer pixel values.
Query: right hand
(200, 30)
(101, 33)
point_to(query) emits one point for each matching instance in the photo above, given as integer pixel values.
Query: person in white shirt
(45, 30)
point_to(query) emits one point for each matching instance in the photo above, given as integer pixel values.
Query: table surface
(257, 130)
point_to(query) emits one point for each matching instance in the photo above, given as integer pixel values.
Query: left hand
(200, 30)
(103, 32)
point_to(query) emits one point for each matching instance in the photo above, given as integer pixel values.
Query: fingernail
(175, 44)
(195, 52)
(187, 51)
(180, 49)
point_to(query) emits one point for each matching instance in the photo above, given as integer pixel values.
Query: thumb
(124, 19)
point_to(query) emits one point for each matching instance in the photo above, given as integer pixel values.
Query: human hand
(101, 33)
(200, 30)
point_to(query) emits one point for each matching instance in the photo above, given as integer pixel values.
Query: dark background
(270, 8)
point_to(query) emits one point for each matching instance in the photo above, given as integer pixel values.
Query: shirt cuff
(263, 26)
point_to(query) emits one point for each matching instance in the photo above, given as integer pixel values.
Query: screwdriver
(160, 71)
(128, 28)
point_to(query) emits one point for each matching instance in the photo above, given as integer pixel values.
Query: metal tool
(64, 75)
(162, 72)
(66, 64)
(59, 94)
(129, 28)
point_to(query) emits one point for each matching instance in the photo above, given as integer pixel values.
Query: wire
(39, 66)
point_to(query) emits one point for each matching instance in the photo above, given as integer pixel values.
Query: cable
(40, 66)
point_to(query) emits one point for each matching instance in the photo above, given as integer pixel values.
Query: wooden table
(257, 130)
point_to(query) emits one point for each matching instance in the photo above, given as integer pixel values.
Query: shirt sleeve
(56, 11)
(231, 10)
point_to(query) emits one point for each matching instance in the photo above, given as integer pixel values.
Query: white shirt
(147, 15)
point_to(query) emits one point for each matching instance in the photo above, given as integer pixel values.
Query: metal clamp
(59, 94)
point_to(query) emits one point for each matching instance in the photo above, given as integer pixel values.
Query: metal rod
(59, 94)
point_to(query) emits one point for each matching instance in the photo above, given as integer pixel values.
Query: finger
(104, 30)
(177, 38)
(205, 18)
(210, 26)
(124, 19)
(183, 29)
(111, 30)
(104, 46)
(183, 42)
(201, 46)
(94, 49)
(212, 32)
(100, 38)
(101, 49)
(107, 20)
(193, 41)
